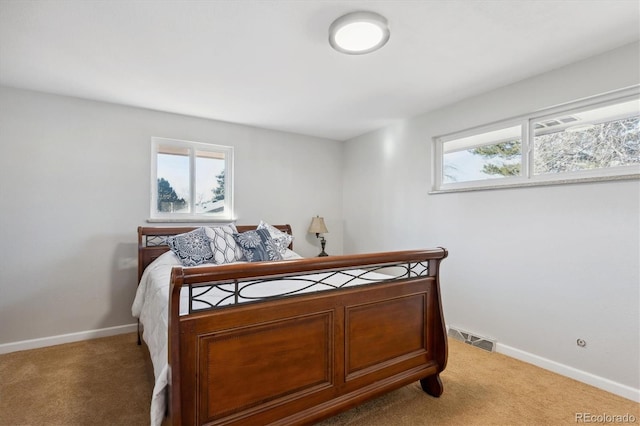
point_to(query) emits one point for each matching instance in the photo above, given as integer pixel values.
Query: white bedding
(151, 306)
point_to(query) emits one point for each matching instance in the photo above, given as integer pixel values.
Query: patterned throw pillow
(258, 245)
(191, 248)
(224, 246)
(282, 239)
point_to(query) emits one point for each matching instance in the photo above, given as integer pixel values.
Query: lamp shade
(317, 226)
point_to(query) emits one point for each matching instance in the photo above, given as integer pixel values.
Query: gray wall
(74, 186)
(535, 268)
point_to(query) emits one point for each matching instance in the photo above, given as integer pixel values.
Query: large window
(191, 181)
(584, 141)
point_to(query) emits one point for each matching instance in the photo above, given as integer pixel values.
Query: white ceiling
(268, 63)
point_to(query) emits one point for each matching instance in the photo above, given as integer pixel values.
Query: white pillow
(224, 246)
(290, 254)
(281, 239)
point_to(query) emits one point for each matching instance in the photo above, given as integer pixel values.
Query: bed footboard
(297, 360)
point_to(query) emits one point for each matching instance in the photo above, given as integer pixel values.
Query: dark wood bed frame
(300, 359)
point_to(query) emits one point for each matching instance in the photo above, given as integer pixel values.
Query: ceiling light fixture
(358, 33)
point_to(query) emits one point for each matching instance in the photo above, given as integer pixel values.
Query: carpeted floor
(107, 382)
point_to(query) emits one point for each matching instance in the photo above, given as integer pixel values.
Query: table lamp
(318, 227)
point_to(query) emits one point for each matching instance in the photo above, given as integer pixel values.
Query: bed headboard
(151, 240)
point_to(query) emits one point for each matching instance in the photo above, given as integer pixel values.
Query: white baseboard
(24, 345)
(573, 373)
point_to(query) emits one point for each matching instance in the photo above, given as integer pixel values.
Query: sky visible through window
(464, 166)
(175, 169)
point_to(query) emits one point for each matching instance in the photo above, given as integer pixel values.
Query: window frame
(527, 176)
(478, 184)
(192, 147)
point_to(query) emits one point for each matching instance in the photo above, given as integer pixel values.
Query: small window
(596, 139)
(489, 155)
(191, 181)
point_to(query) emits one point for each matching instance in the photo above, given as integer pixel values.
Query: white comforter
(151, 306)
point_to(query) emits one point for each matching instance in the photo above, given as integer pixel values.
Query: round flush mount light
(358, 33)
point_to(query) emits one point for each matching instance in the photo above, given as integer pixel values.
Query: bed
(291, 341)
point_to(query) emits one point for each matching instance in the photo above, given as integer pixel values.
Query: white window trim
(159, 217)
(527, 177)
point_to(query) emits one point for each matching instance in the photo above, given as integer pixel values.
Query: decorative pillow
(282, 239)
(258, 245)
(224, 246)
(192, 248)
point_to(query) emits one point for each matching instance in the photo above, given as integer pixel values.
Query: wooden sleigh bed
(299, 357)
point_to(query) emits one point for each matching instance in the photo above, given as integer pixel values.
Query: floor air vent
(471, 339)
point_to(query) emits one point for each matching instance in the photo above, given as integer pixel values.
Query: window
(191, 181)
(599, 138)
(593, 140)
(472, 158)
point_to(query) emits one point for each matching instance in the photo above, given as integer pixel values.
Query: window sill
(633, 176)
(192, 220)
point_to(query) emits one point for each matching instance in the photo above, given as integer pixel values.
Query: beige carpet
(106, 382)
